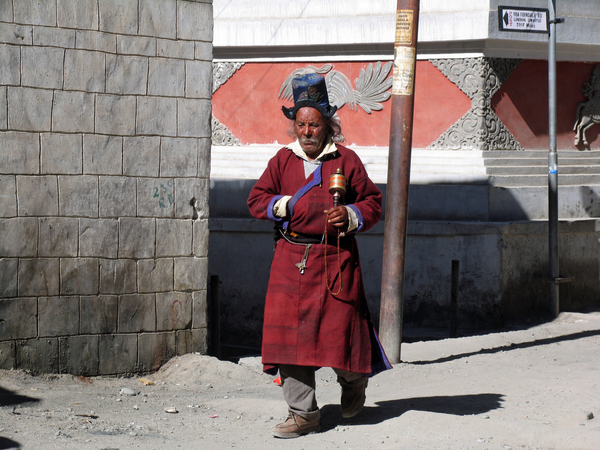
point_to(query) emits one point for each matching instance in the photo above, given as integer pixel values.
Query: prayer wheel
(337, 186)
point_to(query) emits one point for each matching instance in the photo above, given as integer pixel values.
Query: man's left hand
(338, 216)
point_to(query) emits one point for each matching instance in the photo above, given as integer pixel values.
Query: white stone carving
(221, 135)
(372, 86)
(480, 128)
(223, 71)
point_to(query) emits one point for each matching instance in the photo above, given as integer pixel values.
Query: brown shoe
(295, 426)
(353, 400)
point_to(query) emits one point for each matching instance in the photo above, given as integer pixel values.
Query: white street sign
(532, 20)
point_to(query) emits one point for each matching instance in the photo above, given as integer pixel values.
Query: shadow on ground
(6, 443)
(459, 405)
(8, 398)
(513, 346)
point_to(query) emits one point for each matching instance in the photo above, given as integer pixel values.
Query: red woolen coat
(304, 324)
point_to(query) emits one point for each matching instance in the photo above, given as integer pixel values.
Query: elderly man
(316, 313)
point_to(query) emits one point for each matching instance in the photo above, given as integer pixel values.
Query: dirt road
(529, 389)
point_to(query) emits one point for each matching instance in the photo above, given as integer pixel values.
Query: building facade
(479, 158)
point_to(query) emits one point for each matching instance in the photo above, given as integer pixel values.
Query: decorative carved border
(221, 135)
(223, 71)
(480, 128)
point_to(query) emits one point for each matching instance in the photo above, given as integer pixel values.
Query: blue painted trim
(270, 209)
(303, 190)
(380, 361)
(361, 220)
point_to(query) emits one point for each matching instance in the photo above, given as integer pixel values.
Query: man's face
(311, 129)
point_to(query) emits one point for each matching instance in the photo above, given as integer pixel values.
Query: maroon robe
(304, 323)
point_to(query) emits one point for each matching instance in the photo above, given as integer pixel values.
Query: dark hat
(310, 90)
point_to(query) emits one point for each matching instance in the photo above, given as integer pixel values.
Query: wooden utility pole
(396, 213)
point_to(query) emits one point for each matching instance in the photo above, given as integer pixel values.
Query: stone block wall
(104, 176)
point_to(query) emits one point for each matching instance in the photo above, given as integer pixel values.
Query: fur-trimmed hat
(310, 90)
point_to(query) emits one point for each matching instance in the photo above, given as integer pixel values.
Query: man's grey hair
(335, 129)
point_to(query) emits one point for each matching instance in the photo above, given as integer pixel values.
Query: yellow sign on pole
(404, 71)
(404, 53)
(404, 27)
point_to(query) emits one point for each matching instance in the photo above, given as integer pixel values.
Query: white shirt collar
(295, 147)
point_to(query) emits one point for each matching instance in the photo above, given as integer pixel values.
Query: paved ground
(535, 388)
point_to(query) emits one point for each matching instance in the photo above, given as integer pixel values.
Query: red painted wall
(248, 105)
(522, 104)
(439, 103)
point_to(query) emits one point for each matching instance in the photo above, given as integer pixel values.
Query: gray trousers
(298, 383)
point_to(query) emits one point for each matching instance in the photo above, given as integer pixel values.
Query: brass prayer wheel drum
(337, 186)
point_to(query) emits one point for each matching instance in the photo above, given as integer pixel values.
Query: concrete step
(249, 164)
(449, 168)
(424, 178)
(241, 173)
(426, 161)
(542, 170)
(448, 153)
(242, 153)
(539, 154)
(430, 168)
(434, 163)
(497, 168)
(542, 180)
(562, 161)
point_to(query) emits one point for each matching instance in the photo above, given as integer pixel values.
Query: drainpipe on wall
(555, 279)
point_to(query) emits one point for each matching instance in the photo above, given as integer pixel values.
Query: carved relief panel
(588, 112)
(480, 128)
